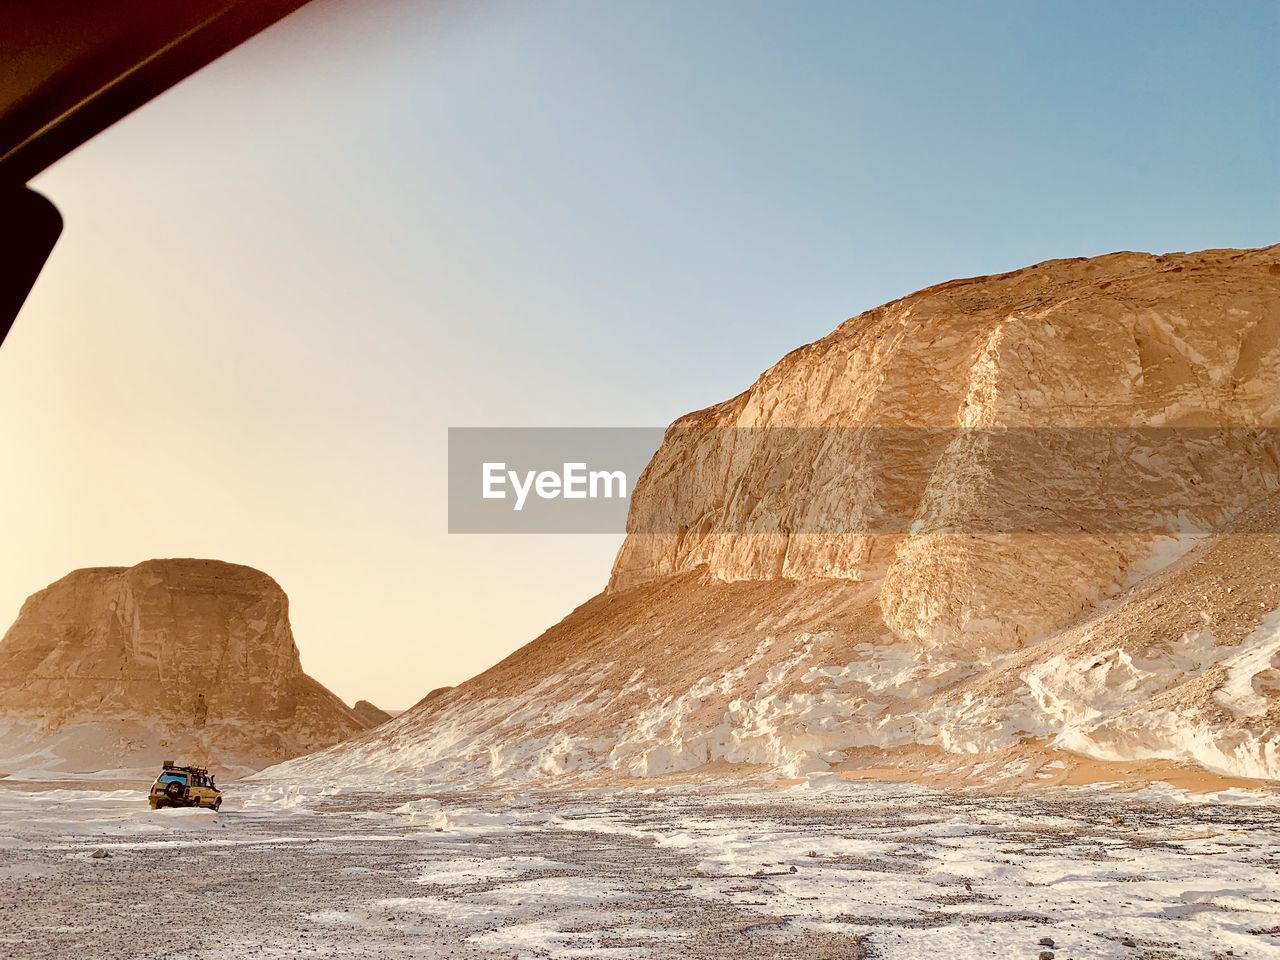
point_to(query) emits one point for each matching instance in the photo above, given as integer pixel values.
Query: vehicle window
(173, 778)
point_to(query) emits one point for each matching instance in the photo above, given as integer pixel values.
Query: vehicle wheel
(173, 791)
(217, 804)
(155, 804)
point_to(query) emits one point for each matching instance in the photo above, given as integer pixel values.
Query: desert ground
(822, 869)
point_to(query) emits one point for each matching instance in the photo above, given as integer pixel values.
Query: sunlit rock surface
(171, 659)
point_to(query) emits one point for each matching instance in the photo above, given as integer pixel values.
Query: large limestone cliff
(1015, 523)
(1031, 401)
(115, 666)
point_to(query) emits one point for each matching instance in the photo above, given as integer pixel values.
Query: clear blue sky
(282, 281)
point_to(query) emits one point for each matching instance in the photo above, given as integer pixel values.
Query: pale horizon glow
(280, 283)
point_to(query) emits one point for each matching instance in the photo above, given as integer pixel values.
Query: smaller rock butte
(370, 714)
(114, 666)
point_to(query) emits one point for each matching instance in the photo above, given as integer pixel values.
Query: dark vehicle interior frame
(71, 69)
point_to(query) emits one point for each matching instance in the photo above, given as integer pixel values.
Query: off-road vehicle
(184, 787)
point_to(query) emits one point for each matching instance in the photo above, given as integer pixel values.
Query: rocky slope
(1014, 525)
(194, 659)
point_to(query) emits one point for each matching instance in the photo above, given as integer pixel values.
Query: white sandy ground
(825, 869)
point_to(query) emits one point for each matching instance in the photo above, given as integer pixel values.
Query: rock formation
(370, 714)
(1015, 524)
(113, 667)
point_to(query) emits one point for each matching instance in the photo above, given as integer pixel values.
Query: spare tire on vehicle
(174, 790)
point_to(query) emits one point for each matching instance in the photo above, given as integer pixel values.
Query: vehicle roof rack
(198, 771)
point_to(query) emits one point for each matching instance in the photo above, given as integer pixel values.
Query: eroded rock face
(1033, 402)
(1024, 524)
(187, 653)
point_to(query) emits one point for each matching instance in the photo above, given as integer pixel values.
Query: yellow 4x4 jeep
(184, 787)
